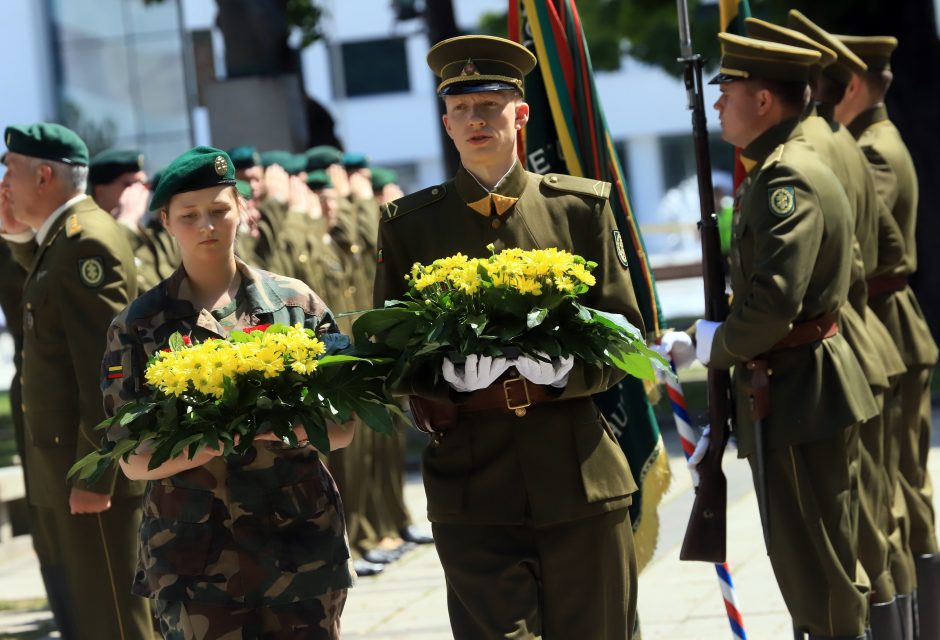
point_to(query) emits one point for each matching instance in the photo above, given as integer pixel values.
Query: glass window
(374, 66)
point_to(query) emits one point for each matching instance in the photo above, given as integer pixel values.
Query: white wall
(25, 64)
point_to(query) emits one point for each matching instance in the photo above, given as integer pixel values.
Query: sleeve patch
(621, 251)
(782, 201)
(91, 271)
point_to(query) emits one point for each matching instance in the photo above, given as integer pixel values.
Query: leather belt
(513, 394)
(809, 332)
(883, 285)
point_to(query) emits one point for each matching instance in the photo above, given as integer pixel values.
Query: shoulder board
(72, 226)
(574, 184)
(773, 158)
(412, 202)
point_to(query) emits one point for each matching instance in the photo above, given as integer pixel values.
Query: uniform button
(302, 258)
(434, 191)
(56, 439)
(23, 407)
(354, 248)
(29, 305)
(496, 224)
(553, 179)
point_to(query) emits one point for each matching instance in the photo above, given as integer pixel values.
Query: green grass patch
(29, 604)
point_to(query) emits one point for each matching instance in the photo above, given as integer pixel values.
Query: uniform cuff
(704, 336)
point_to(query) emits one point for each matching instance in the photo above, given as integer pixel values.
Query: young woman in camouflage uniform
(252, 546)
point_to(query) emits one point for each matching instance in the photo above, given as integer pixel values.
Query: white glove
(677, 346)
(478, 372)
(554, 372)
(704, 336)
(701, 447)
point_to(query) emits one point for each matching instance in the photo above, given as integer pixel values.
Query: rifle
(706, 534)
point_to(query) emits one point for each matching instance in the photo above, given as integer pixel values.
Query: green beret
(244, 157)
(47, 141)
(155, 179)
(355, 161)
(743, 58)
(319, 179)
(382, 177)
(322, 157)
(109, 165)
(244, 189)
(196, 169)
(846, 62)
(292, 163)
(471, 64)
(875, 51)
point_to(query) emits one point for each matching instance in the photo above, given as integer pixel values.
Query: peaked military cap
(743, 58)
(762, 30)
(319, 179)
(322, 157)
(382, 177)
(846, 63)
(108, 165)
(292, 163)
(355, 161)
(875, 51)
(198, 168)
(471, 64)
(244, 157)
(47, 141)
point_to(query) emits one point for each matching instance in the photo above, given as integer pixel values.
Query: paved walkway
(677, 600)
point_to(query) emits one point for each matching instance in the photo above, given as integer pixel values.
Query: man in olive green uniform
(872, 345)
(529, 507)
(790, 257)
(80, 273)
(862, 110)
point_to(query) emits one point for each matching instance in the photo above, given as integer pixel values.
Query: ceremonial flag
(567, 133)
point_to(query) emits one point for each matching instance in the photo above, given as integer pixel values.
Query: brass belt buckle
(519, 409)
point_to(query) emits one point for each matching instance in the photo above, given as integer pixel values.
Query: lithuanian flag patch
(115, 373)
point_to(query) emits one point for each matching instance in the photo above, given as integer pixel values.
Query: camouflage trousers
(316, 619)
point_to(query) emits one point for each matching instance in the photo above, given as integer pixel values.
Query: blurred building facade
(126, 73)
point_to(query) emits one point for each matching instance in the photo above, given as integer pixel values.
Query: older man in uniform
(880, 547)
(80, 273)
(791, 254)
(529, 506)
(863, 111)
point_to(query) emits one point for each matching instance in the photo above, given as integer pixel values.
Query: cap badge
(221, 166)
(140, 161)
(469, 69)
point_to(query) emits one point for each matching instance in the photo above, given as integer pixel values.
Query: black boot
(885, 621)
(928, 595)
(906, 615)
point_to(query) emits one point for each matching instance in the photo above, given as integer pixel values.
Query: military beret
(471, 64)
(382, 177)
(108, 165)
(244, 189)
(875, 51)
(846, 62)
(198, 168)
(743, 58)
(761, 30)
(322, 157)
(244, 157)
(292, 163)
(47, 141)
(319, 179)
(355, 161)
(155, 179)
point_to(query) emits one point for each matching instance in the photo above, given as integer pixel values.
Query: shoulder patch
(773, 158)
(91, 271)
(574, 184)
(621, 251)
(782, 201)
(72, 226)
(412, 202)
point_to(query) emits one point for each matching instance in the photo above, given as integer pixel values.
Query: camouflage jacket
(264, 528)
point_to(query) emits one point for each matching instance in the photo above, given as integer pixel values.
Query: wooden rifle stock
(706, 534)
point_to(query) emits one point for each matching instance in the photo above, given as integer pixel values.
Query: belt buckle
(519, 409)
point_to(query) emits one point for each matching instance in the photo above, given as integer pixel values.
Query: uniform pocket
(306, 527)
(446, 464)
(605, 473)
(176, 533)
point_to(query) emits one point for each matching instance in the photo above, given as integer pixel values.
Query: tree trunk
(442, 24)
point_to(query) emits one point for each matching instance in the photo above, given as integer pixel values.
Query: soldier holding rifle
(790, 257)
